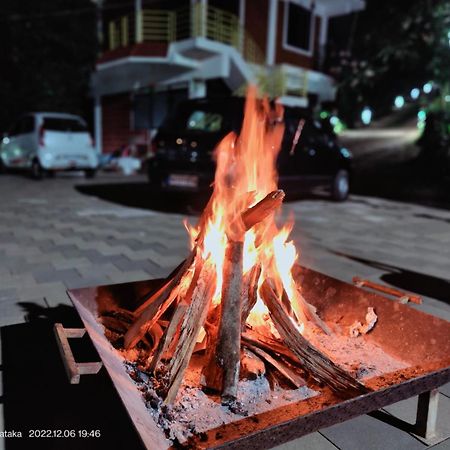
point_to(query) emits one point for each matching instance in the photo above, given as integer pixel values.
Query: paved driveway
(52, 238)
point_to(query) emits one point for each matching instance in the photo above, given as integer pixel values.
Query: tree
(394, 46)
(49, 51)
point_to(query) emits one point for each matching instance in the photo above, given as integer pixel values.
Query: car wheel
(2, 166)
(340, 187)
(37, 172)
(90, 173)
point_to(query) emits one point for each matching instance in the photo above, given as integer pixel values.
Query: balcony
(196, 21)
(194, 44)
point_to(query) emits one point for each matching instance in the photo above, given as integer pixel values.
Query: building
(157, 53)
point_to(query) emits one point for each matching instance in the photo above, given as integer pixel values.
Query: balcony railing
(168, 26)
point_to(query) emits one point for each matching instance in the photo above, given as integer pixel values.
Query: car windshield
(63, 124)
(199, 119)
(207, 121)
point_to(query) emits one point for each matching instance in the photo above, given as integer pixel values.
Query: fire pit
(239, 341)
(420, 341)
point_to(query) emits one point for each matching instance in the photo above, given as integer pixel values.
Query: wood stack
(230, 345)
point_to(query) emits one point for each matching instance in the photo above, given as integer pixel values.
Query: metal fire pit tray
(422, 340)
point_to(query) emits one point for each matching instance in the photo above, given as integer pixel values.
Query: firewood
(212, 375)
(252, 366)
(250, 292)
(156, 306)
(114, 324)
(289, 374)
(315, 362)
(229, 339)
(262, 209)
(168, 336)
(309, 311)
(193, 320)
(271, 346)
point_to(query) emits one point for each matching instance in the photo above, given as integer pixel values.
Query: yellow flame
(245, 174)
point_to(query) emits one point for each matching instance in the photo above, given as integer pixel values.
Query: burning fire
(246, 173)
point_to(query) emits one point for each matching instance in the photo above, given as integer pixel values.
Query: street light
(415, 93)
(366, 115)
(427, 87)
(399, 101)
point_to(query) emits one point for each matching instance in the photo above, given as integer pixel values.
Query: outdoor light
(399, 101)
(415, 93)
(334, 120)
(421, 115)
(366, 116)
(427, 87)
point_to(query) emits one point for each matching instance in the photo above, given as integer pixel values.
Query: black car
(184, 145)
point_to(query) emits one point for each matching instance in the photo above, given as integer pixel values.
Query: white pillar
(323, 36)
(197, 88)
(271, 33)
(98, 123)
(242, 25)
(138, 20)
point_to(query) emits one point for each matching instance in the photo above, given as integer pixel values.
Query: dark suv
(184, 145)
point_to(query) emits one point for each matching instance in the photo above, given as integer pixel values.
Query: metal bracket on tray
(73, 369)
(403, 297)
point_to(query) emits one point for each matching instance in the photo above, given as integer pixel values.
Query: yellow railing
(158, 25)
(153, 25)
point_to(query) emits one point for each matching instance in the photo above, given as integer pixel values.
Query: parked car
(183, 149)
(46, 142)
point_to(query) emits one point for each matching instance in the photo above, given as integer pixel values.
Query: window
(204, 121)
(60, 124)
(298, 27)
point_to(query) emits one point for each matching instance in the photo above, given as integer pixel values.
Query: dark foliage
(48, 52)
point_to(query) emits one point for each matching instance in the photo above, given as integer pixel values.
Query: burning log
(193, 321)
(295, 379)
(168, 337)
(262, 209)
(319, 365)
(157, 305)
(250, 292)
(252, 366)
(229, 344)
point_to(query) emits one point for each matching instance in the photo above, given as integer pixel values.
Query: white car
(46, 142)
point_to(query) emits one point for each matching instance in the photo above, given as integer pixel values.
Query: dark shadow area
(38, 396)
(385, 417)
(398, 176)
(407, 280)
(142, 195)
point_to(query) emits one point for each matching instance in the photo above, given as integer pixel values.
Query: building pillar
(98, 131)
(272, 32)
(323, 36)
(138, 35)
(197, 88)
(198, 17)
(241, 25)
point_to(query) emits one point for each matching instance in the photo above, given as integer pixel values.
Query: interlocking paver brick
(53, 238)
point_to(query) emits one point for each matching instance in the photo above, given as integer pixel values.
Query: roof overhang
(331, 8)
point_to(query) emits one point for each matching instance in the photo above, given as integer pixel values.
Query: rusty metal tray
(418, 338)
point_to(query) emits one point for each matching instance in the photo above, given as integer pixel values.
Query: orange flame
(245, 174)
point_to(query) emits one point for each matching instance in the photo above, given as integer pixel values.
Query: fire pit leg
(427, 409)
